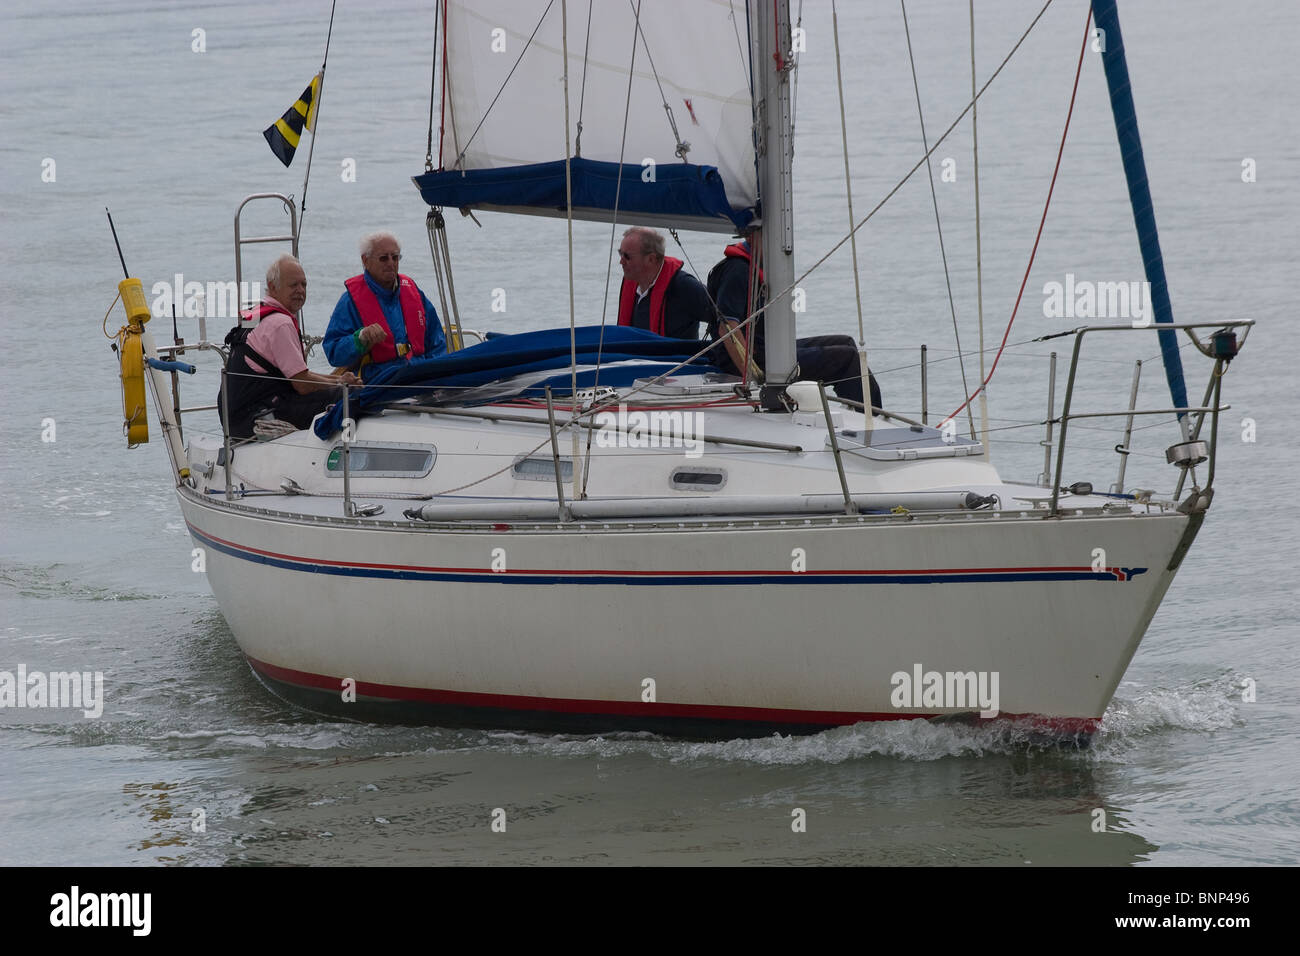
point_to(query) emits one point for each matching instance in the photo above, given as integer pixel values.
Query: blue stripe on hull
(683, 579)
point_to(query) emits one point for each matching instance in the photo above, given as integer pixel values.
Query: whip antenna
(116, 243)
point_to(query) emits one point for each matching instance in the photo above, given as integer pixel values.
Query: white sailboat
(624, 541)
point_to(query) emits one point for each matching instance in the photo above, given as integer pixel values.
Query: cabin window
(543, 469)
(698, 479)
(384, 460)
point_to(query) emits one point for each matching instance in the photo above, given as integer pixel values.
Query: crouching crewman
(271, 389)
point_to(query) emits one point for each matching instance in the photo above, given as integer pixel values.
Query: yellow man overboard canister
(131, 354)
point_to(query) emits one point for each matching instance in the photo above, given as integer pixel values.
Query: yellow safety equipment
(131, 356)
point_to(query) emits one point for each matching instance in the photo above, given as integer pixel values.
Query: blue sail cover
(507, 356)
(1139, 191)
(680, 194)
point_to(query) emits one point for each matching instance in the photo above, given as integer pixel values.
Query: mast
(1106, 15)
(772, 64)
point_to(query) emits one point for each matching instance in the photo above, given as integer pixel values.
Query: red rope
(776, 30)
(1041, 222)
(728, 402)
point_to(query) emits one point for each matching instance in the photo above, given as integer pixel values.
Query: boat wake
(1204, 706)
(59, 581)
(918, 739)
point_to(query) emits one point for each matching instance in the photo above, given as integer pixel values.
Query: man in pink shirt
(267, 372)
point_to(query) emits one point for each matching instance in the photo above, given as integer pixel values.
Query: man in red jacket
(382, 317)
(657, 294)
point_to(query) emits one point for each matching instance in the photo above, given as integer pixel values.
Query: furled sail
(1106, 14)
(689, 165)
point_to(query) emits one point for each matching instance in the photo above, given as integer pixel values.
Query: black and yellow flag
(284, 133)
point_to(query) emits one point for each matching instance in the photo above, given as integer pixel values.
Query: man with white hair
(267, 372)
(383, 317)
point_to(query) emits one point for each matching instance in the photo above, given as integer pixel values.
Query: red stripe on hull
(1056, 726)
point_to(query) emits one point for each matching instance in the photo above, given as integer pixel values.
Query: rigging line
(313, 113)
(479, 481)
(915, 167)
(582, 96)
(934, 196)
(756, 283)
(613, 229)
(755, 266)
(328, 33)
(744, 57)
(776, 297)
(682, 148)
(672, 231)
(568, 218)
(907, 176)
(618, 190)
(848, 185)
(864, 369)
(442, 105)
(104, 324)
(1043, 221)
(577, 415)
(747, 70)
(979, 256)
(1160, 423)
(433, 84)
(506, 82)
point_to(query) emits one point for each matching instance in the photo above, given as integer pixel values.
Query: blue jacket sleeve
(340, 346)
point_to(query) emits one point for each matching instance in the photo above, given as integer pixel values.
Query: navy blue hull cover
(506, 356)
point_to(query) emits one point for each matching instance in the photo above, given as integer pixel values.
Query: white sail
(696, 51)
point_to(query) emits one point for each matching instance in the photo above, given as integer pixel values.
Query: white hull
(569, 629)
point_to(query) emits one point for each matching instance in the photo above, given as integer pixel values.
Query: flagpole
(315, 109)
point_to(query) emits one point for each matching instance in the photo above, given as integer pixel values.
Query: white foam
(907, 739)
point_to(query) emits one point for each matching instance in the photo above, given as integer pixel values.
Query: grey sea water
(115, 105)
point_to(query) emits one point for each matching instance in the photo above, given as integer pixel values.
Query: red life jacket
(627, 296)
(740, 250)
(371, 313)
